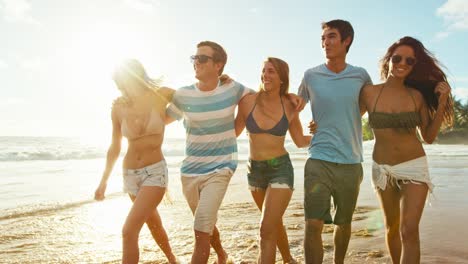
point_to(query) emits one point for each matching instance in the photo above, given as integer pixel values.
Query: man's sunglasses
(200, 58)
(410, 61)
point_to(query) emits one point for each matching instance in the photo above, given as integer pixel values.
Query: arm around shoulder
(364, 94)
(167, 93)
(297, 133)
(242, 107)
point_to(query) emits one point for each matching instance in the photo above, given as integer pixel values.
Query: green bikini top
(409, 120)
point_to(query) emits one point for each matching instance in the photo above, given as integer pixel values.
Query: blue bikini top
(279, 129)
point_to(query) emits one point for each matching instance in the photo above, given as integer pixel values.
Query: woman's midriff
(394, 147)
(266, 146)
(143, 151)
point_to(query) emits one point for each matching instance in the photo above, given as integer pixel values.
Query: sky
(56, 56)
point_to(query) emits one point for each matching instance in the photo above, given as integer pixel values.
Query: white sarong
(414, 171)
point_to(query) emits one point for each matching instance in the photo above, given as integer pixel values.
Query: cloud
(3, 65)
(17, 11)
(32, 64)
(460, 93)
(455, 16)
(146, 6)
(10, 101)
(442, 35)
(253, 10)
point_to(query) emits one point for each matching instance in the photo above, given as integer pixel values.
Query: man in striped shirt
(207, 108)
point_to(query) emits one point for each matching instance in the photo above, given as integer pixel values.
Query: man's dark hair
(344, 27)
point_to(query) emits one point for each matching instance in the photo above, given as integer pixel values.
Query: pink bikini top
(135, 126)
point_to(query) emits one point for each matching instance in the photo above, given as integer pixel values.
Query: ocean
(48, 215)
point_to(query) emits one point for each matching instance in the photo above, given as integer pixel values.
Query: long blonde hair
(130, 74)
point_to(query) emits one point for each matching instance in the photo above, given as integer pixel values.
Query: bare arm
(167, 93)
(168, 119)
(239, 123)
(298, 102)
(297, 133)
(112, 155)
(362, 99)
(430, 127)
(170, 107)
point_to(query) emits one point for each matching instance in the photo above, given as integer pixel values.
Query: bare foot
(290, 261)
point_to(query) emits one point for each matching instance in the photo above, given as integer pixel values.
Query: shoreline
(69, 227)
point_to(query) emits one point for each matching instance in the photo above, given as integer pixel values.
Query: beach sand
(443, 236)
(85, 231)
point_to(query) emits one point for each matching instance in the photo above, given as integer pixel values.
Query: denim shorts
(151, 175)
(276, 173)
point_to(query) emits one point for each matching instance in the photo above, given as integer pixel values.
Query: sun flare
(96, 50)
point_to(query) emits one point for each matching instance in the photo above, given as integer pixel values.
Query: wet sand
(441, 241)
(90, 232)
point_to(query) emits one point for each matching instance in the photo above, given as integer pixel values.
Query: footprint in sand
(328, 229)
(375, 254)
(363, 233)
(359, 218)
(297, 214)
(327, 247)
(296, 206)
(364, 209)
(295, 227)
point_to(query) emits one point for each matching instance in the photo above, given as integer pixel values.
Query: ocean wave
(48, 155)
(62, 155)
(48, 209)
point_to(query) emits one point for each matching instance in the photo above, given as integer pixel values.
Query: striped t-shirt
(210, 144)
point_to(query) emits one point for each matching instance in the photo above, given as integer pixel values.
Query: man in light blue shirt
(335, 154)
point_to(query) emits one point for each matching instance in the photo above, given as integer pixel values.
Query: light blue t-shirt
(208, 116)
(334, 101)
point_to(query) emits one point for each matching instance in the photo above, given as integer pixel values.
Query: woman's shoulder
(417, 95)
(288, 103)
(166, 93)
(248, 98)
(372, 87)
(247, 101)
(120, 102)
(166, 90)
(118, 105)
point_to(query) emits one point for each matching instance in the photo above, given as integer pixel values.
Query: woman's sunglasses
(200, 58)
(410, 61)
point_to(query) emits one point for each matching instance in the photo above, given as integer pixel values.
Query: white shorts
(151, 175)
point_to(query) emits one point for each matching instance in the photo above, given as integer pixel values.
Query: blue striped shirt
(208, 116)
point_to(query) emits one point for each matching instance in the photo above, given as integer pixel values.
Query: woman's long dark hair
(424, 77)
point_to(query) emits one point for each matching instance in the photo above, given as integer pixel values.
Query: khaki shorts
(323, 180)
(204, 195)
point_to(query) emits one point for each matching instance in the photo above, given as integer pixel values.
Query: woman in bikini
(268, 115)
(415, 96)
(139, 116)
